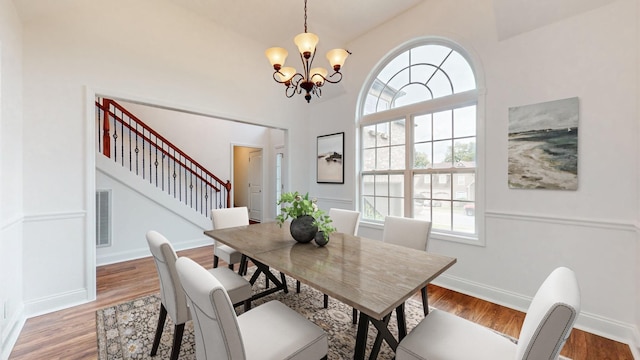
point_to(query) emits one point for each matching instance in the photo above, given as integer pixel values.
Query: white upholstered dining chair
(226, 218)
(546, 327)
(346, 222)
(411, 233)
(172, 298)
(269, 331)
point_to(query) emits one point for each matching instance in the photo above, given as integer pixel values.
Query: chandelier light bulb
(337, 57)
(276, 56)
(318, 75)
(306, 43)
(286, 73)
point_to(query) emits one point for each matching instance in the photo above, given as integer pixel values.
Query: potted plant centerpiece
(308, 221)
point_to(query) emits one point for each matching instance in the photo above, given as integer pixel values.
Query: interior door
(255, 185)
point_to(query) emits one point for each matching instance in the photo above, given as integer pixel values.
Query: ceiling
(337, 22)
(275, 22)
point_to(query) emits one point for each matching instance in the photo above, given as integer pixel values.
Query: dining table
(373, 277)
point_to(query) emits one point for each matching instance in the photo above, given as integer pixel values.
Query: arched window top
(419, 74)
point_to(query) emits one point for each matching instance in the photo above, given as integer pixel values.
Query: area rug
(126, 330)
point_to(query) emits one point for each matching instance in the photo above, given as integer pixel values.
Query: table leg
(375, 349)
(264, 269)
(361, 337)
(402, 324)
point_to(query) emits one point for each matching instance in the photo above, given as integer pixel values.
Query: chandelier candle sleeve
(310, 80)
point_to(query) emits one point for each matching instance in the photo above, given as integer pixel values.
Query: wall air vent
(103, 218)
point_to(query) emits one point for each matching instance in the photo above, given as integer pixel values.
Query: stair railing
(133, 144)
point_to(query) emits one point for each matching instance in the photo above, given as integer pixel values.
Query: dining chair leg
(425, 301)
(177, 341)
(247, 305)
(355, 316)
(326, 301)
(161, 320)
(230, 266)
(215, 261)
(298, 286)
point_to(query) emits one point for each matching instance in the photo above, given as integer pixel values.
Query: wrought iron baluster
(156, 160)
(122, 141)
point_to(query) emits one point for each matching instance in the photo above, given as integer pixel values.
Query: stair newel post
(106, 138)
(228, 187)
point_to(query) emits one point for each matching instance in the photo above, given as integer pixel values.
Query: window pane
(429, 54)
(398, 132)
(399, 80)
(421, 212)
(442, 154)
(422, 186)
(382, 207)
(369, 136)
(396, 207)
(422, 156)
(396, 185)
(382, 185)
(421, 73)
(397, 157)
(382, 158)
(382, 135)
(368, 203)
(460, 72)
(442, 216)
(395, 65)
(367, 185)
(440, 85)
(441, 186)
(464, 123)
(464, 152)
(368, 159)
(442, 125)
(464, 219)
(422, 128)
(411, 94)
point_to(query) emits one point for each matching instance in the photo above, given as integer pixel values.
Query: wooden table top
(369, 275)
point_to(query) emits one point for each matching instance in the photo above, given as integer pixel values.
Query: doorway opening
(248, 180)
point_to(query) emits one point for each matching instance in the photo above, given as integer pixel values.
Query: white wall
(593, 56)
(156, 53)
(11, 208)
(146, 51)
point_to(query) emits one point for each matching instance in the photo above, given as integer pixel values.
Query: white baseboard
(594, 324)
(144, 252)
(11, 337)
(56, 302)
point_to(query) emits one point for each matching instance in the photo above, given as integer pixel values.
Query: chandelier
(310, 79)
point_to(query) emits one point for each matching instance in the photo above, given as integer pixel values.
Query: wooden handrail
(106, 142)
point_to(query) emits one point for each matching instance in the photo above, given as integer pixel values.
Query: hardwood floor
(71, 333)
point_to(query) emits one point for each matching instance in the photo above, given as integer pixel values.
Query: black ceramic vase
(302, 229)
(320, 240)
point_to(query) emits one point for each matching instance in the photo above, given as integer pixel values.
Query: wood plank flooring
(71, 333)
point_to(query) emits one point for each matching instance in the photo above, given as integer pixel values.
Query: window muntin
(422, 73)
(429, 152)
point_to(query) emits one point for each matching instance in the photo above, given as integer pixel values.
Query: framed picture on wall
(330, 159)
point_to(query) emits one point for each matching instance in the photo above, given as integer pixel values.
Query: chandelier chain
(305, 15)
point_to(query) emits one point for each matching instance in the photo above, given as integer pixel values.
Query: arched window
(418, 139)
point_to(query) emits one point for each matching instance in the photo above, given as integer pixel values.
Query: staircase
(132, 144)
